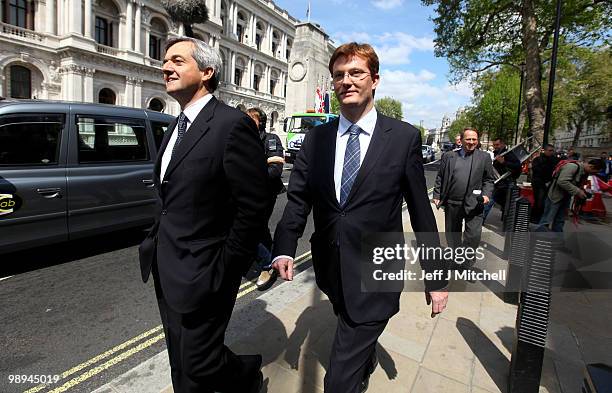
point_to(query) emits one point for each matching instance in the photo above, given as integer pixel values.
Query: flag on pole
(318, 101)
(308, 12)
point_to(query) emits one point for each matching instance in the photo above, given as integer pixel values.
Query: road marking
(124, 355)
(96, 359)
(5, 278)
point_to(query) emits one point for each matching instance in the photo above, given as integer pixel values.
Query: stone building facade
(110, 51)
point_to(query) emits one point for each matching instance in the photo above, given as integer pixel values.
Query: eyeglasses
(354, 75)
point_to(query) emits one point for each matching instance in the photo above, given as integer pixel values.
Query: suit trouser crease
(454, 217)
(351, 354)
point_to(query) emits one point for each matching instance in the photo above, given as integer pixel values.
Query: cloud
(392, 48)
(421, 98)
(387, 4)
(396, 48)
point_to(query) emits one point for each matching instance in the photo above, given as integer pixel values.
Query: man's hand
(438, 300)
(581, 194)
(485, 199)
(436, 202)
(284, 266)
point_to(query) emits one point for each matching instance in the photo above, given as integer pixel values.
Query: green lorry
(297, 127)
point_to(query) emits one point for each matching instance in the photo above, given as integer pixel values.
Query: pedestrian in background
(541, 175)
(568, 180)
(463, 186)
(504, 161)
(211, 189)
(275, 160)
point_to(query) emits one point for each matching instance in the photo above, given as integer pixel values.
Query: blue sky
(402, 34)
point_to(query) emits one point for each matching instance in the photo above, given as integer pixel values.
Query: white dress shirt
(367, 124)
(191, 112)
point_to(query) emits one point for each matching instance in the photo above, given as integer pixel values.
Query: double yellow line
(150, 336)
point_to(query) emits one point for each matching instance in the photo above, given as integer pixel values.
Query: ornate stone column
(75, 16)
(129, 26)
(128, 99)
(88, 19)
(138, 93)
(50, 16)
(138, 28)
(232, 73)
(88, 90)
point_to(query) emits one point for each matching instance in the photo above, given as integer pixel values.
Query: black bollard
(509, 213)
(519, 250)
(532, 317)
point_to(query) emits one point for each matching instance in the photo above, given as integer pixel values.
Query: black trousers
(353, 353)
(539, 197)
(454, 217)
(199, 360)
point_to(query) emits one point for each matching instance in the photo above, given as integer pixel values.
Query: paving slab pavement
(465, 349)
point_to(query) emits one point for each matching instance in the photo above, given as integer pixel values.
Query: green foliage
(389, 107)
(477, 34)
(496, 102)
(460, 124)
(334, 104)
(583, 88)
(423, 132)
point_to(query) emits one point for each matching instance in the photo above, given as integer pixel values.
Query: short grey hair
(205, 56)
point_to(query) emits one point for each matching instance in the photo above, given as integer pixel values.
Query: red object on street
(595, 205)
(527, 193)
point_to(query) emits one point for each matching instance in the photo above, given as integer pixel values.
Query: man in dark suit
(354, 173)
(464, 184)
(211, 182)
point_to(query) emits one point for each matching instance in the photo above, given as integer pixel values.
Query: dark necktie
(182, 127)
(352, 157)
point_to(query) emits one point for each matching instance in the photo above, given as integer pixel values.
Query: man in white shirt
(211, 183)
(353, 173)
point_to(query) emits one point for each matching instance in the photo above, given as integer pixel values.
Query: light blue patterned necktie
(352, 158)
(182, 127)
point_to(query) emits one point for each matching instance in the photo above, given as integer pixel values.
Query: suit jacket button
(343, 214)
(164, 212)
(165, 182)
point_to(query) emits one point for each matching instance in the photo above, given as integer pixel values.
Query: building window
(155, 47)
(107, 96)
(238, 76)
(156, 105)
(17, 13)
(274, 47)
(21, 82)
(104, 32)
(239, 32)
(272, 86)
(256, 79)
(258, 41)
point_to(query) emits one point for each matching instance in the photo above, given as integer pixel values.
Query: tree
(423, 133)
(584, 85)
(187, 12)
(389, 107)
(334, 104)
(480, 34)
(496, 102)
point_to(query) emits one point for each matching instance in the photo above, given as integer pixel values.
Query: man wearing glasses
(354, 172)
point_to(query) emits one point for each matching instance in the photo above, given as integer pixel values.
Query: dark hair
(261, 117)
(596, 163)
(354, 49)
(469, 129)
(547, 145)
(501, 140)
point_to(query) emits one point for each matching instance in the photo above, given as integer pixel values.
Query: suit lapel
(327, 150)
(197, 130)
(377, 145)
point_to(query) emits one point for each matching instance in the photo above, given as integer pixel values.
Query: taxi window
(111, 140)
(30, 139)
